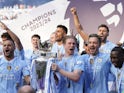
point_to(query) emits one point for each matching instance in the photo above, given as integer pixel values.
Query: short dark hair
(36, 35)
(6, 35)
(119, 49)
(95, 35)
(64, 28)
(103, 25)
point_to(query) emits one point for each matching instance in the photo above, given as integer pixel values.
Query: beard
(59, 40)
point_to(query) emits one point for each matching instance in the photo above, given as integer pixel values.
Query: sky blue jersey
(119, 74)
(107, 47)
(96, 70)
(70, 64)
(11, 73)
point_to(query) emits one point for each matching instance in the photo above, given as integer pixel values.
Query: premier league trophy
(40, 63)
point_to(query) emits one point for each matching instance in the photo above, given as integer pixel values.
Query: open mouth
(71, 49)
(7, 51)
(92, 48)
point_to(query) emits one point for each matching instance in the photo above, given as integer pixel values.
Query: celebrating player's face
(116, 58)
(103, 33)
(8, 48)
(70, 46)
(59, 34)
(35, 42)
(93, 45)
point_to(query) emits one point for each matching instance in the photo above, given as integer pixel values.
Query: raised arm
(13, 36)
(77, 24)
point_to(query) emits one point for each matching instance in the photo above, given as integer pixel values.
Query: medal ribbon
(119, 78)
(93, 67)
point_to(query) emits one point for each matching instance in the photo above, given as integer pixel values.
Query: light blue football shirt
(119, 73)
(96, 72)
(107, 47)
(70, 64)
(11, 73)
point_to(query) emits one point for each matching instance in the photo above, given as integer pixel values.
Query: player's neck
(103, 42)
(120, 66)
(9, 58)
(35, 48)
(68, 55)
(59, 43)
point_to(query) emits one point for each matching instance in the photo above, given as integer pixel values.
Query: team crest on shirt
(99, 60)
(16, 68)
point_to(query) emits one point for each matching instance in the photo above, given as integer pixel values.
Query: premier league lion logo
(92, 13)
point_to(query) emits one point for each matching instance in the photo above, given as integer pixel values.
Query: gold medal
(9, 68)
(16, 68)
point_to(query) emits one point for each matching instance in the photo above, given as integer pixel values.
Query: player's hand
(3, 26)
(73, 10)
(54, 67)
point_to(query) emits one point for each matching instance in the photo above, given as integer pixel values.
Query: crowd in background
(11, 13)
